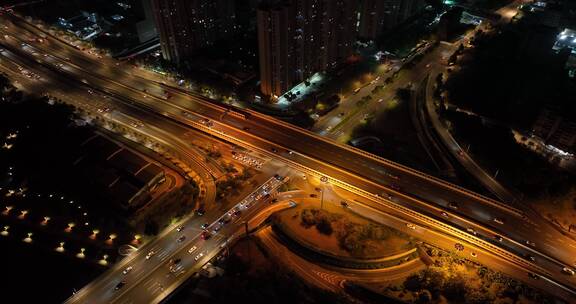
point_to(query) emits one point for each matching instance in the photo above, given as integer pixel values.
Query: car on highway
(150, 254)
(533, 276)
(531, 258)
(201, 254)
(179, 228)
(357, 90)
(205, 225)
(199, 212)
(127, 270)
(470, 230)
(444, 214)
(498, 220)
(568, 271)
(192, 249)
(411, 226)
(120, 285)
(224, 220)
(174, 261)
(181, 239)
(453, 205)
(237, 212)
(205, 235)
(173, 269)
(217, 228)
(530, 243)
(498, 238)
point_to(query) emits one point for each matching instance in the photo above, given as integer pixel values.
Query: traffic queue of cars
(208, 230)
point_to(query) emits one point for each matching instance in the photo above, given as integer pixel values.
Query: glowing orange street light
(23, 214)
(111, 238)
(137, 238)
(45, 221)
(7, 210)
(70, 226)
(94, 234)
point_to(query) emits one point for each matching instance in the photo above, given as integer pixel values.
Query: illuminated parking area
(566, 39)
(302, 89)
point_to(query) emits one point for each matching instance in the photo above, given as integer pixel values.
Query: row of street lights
(81, 254)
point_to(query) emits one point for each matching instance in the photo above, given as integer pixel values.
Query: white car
(568, 271)
(201, 254)
(499, 221)
(192, 249)
(127, 270)
(411, 226)
(150, 254)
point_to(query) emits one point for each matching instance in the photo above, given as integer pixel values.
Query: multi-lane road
(159, 267)
(416, 194)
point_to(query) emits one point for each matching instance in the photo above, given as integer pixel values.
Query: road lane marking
(149, 283)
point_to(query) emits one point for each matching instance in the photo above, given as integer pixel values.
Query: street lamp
(45, 221)
(111, 238)
(5, 231)
(321, 197)
(137, 238)
(7, 210)
(94, 233)
(70, 226)
(81, 254)
(28, 238)
(60, 247)
(23, 214)
(104, 260)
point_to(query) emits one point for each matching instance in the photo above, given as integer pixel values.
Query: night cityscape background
(288, 151)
